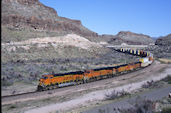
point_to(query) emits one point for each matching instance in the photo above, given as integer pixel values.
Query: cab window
(44, 77)
(87, 71)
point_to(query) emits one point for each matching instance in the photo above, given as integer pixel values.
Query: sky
(150, 17)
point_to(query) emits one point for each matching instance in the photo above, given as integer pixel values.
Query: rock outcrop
(35, 15)
(32, 13)
(131, 38)
(164, 41)
(162, 47)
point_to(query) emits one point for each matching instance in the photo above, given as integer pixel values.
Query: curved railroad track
(32, 95)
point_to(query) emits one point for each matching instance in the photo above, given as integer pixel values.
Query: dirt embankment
(68, 40)
(128, 82)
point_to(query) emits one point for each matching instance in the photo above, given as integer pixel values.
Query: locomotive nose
(41, 80)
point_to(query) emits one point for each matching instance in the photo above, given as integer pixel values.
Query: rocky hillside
(162, 47)
(25, 61)
(131, 38)
(32, 13)
(164, 41)
(19, 15)
(36, 41)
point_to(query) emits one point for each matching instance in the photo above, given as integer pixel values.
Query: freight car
(140, 53)
(79, 77)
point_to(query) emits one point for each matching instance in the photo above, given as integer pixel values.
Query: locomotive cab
(44, 81)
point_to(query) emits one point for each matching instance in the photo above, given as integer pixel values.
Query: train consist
(79, 77)
(146, 57)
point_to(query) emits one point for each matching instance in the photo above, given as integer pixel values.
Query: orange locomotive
(59, 80)
(79, 77)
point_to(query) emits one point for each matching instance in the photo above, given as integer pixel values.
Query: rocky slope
(131, 38)
(22, 14)
(164, 41)
(32, 13)
(162, 47)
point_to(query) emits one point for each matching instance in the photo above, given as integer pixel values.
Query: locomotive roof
(69, 73)
(81, 72)
(109, 68)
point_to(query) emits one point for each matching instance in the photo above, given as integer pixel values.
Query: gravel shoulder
(87, 95)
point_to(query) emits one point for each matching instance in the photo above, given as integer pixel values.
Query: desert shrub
(57, 112)
(114, 94)
(33, 76)
(63, 68)
(28, 80)
(169, 100)
(146, 106)
(140, 106)
(12, 106)
(166, 110)
(7, 82)
(168, 79)
(101, 111)
(148, 84)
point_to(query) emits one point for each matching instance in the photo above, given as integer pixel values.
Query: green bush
(166, 110)
(7, 82)
(167, 79)
(12, 106)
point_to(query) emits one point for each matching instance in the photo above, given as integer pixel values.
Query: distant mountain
(164, 41)
(131, 38)
(162, 47)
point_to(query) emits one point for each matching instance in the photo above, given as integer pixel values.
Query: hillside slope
(32, 13)
(131, 38)
(162, 47)
(34, 19)
(164, 41)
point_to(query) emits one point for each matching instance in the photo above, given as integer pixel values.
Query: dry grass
(164, 60)
(56, 42)
(13, 34)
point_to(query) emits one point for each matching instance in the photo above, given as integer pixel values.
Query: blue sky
(150, 17)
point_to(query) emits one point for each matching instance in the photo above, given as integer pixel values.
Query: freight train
(53, 81)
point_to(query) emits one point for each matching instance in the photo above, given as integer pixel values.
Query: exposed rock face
(131, 38)
(32, 13)
(164, 41)
(28, 1)
(162, 47)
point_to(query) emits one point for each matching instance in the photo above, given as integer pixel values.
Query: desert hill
(131, 38)
(32, 13)
(29, 16)
(162, 47)
(164, 41)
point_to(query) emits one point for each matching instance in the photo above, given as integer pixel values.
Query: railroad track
(29, 95)
(19, 94)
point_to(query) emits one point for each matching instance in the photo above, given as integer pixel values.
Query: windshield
(44, 77)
